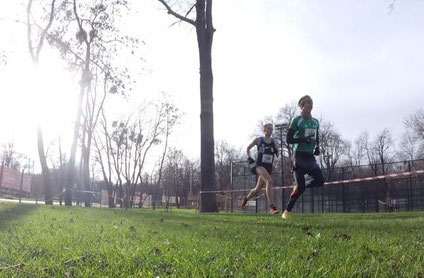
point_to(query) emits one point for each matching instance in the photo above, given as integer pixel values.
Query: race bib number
(267, 158)
(311, 131)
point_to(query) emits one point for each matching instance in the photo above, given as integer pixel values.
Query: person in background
(262, 166)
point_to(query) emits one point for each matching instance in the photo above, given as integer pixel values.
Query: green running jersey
(305, 127)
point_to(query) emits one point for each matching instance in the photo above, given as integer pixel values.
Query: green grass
(53, 241)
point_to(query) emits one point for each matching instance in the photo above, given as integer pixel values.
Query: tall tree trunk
(86, 176)
(155, 192)
(84, 83)
(78, 182)
(85, 153)
(71, 164)
(35, 58)
(120, 194)
(44, 169)
(61, 180)
(177, 197)
(205, 30)
(133, 192)
(127, 195)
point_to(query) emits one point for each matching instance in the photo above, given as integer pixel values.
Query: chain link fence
(400, 193)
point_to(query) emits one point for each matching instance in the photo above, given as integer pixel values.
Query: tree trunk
(120, 194)
(111, 201)
(127, 195)
(45, 170)
(133, 192)
(205, 30)
(71, 164)
(86, 176)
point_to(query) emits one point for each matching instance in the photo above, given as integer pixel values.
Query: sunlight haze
(362, 63)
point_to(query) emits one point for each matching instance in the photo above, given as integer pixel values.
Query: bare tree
(408, 147)
(178, 178)
(10, 156)
(415, 122)
(204, 32)
(363, 142)
(284, 117)
(354, 157)
(103, 157)
(172, 117)
(38, 39)
(332, 147)
(122, 150)
(224, 155)
(88, 39)
(46, 174)
(173, 180)
(38, 36)
(94, 103)
(383, 147)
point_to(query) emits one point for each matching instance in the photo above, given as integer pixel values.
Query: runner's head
(306, 104)
(268, 128)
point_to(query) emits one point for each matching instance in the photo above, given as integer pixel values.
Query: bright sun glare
(37, 95)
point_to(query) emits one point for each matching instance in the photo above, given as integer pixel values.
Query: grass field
(53, 241)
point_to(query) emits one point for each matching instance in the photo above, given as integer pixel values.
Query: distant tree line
(114, 151)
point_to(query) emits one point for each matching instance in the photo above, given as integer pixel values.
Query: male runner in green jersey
(303, 134)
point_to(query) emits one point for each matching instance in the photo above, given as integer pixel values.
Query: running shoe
(273, 209)
(286, 215)
(243, 204)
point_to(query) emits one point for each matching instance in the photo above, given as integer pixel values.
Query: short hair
(302, 99)
(267, 124)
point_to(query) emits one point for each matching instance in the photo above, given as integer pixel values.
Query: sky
(362, 63)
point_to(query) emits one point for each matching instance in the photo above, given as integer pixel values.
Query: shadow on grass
(14, 212)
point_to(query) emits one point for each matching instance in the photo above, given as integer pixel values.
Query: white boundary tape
(377, 177)
(403, 174)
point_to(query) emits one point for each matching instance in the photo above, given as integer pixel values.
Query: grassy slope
(79, 242)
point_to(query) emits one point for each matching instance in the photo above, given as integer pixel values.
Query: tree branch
(182, 18)
(35, 56)
(392, 6)
(29, 31)
(81, 29)
(44, 33)
(76, 16)
(65, 46)
(189, 11)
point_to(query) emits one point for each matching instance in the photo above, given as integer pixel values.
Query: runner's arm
(317, 151)
(251, 145)
(291, 140)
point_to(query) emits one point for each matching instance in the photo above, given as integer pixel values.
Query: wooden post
(20, 186)
(343, 191)
(1, 174)
(232, 186)
(410, 195)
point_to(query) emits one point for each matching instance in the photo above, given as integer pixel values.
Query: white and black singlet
(266, 152)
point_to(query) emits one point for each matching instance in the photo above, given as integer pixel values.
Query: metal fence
(404, 193)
